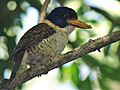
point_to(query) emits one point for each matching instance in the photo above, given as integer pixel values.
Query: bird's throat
(67, 29)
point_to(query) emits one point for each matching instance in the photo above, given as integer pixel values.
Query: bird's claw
(46, 70)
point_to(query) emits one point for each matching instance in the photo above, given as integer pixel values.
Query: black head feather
(60, 15)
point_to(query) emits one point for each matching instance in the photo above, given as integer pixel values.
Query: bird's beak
(79, 24)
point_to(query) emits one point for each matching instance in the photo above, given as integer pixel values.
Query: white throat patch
(68, 29)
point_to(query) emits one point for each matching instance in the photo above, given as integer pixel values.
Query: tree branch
(43, 11)
(58, 61)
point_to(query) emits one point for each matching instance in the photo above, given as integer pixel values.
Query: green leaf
(106, 50)
(90, 61)
(75, 74)
(111, 73)
(103, 83)
(85, 85)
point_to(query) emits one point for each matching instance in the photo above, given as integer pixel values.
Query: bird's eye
(64, 16)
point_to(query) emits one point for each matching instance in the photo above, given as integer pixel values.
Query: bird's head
(64, 16)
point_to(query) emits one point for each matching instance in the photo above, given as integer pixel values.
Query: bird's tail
(18, 66)
(15, 69)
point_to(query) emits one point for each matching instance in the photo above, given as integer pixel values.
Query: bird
(46, 39)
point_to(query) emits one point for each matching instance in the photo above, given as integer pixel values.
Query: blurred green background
(96, 71)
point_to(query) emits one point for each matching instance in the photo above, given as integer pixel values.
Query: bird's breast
(50, 46)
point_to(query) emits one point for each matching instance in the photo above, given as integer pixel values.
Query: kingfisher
(46, 39)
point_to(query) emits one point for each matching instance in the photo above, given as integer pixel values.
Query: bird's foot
(90, 40)
(42, 68)
(45, 70)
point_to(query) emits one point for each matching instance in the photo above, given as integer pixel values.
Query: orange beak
(79, 24)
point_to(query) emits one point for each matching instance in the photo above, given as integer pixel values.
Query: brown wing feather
(31, 37)
(34, 35)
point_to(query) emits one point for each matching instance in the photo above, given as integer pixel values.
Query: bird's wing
(34, 35)
(31, 37)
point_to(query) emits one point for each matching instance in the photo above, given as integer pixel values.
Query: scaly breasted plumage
(46, 39)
